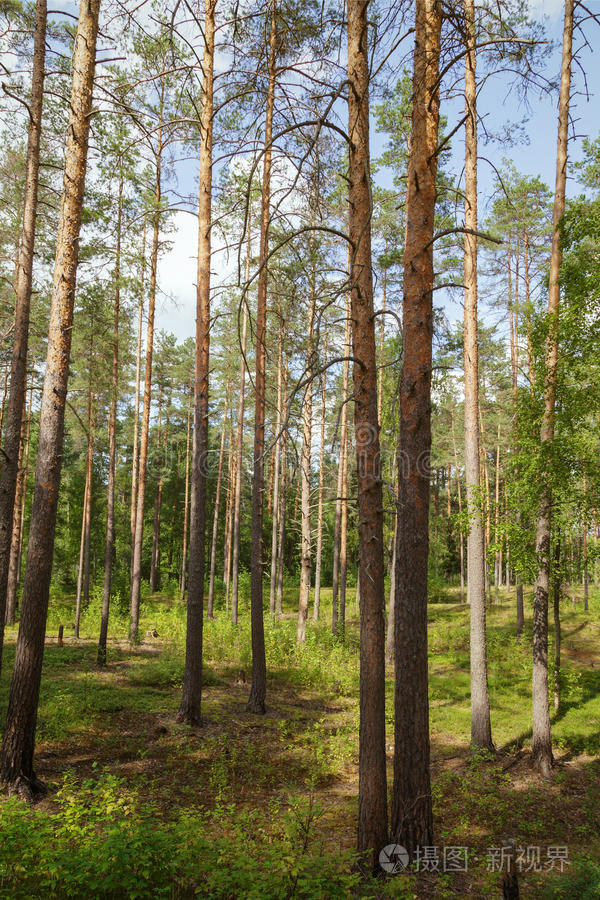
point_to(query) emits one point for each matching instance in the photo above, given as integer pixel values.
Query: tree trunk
(258, 690)
(136, 410)
(337, 527)
(16, 756)
(109, 547)
(281, 539)
(305, 464)
(481, 731)
(186, 498)
(215, 531)
(228, 532)
(136, 566)
(586, 580)
(542, 758)
(18, 371)
(460, 509)
(319, 552)
(276, 468)
(497, 559)
(18, 520)
(155, 558)
(372, 784)
(239, 443)
(389, 641)
(412, 820)
(83, 574)
(557, 631)
(190, 709)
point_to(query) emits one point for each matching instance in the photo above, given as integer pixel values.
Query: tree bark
(542, 758)
(258, 689)
(412, 819)
(18, 370)
(109, 546)
(372, 784)
(16, 756)
(190, 709)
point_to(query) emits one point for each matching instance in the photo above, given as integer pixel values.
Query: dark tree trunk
(372, 784)
(18, 370)
(190, 709)
(258, 689)
(16, 756)
(412, 818)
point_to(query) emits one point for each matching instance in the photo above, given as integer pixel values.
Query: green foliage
(107, 841)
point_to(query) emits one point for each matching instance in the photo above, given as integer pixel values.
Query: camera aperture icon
(394, 858)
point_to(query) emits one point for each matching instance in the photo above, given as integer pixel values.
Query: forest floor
(246, 807)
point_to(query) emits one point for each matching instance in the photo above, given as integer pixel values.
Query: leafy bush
(105, 842)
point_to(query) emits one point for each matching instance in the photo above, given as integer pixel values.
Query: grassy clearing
(140, 806)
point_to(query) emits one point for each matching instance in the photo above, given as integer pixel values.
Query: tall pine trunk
(190, 709)
(481, 729)
(18, 370)
(412, 818)
(372, 784)
(542, 758)
(258, 689)
(18, 743)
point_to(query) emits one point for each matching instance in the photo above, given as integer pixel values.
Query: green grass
(141, 806)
